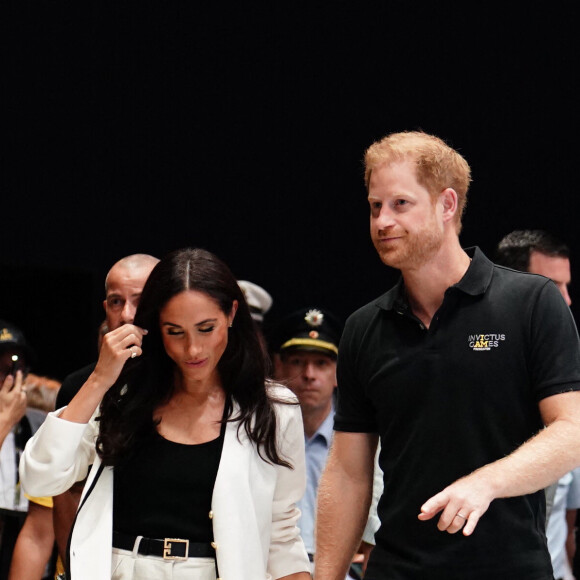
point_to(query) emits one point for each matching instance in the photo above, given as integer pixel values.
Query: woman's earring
(231, 324)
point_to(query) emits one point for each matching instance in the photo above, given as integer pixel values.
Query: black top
(72, 384)
(450, 399)
(165, 489)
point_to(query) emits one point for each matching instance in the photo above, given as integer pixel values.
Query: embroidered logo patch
(482, 342)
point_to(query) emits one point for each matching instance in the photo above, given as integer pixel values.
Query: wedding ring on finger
(458, 515)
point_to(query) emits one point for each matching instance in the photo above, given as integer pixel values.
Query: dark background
(144, 127)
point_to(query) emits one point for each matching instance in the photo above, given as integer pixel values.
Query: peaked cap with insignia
(11, 337)
(310, 329)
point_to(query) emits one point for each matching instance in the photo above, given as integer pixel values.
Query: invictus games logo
(479, 342)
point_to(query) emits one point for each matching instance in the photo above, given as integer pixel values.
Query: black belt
(168, 548)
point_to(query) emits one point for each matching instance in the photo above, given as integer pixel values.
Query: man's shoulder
(517, 276)
(72, 383)
(80, 374)
(519, 284)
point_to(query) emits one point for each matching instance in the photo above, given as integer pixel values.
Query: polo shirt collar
(478, 276)
(474, 282)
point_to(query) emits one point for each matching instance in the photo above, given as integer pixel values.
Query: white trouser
(132, 566)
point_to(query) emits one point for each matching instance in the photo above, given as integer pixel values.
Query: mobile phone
(15, 365)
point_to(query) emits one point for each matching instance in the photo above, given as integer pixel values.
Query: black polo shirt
(449, 399)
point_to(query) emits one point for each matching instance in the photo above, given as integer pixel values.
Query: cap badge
(314, 317)
(313, 334)
(6, 335)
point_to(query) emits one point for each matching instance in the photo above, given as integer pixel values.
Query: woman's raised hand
(117, 346)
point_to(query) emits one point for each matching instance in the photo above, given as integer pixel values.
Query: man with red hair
(470, 375)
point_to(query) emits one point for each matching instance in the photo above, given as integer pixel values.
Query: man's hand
(462, 504)
(12, 401)
(363, 554)
(534, 465)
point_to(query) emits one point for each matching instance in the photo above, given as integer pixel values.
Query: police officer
(306, 342)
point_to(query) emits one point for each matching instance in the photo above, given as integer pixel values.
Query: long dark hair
(126, 414)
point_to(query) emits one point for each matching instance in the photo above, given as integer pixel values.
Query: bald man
(123, 286)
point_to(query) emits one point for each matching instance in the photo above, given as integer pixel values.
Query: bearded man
(468, 372)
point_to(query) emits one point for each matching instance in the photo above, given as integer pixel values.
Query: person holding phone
(14, 356)
(17, 423)
(197, 459)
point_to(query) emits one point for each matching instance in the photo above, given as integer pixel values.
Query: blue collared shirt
(317, 448)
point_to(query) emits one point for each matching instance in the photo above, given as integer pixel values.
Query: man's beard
(413, 250)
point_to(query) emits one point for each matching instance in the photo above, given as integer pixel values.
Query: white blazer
(253, 504)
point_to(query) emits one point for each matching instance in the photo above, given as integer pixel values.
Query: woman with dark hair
(207, 455)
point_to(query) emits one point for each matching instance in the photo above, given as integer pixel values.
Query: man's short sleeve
(354, 412)
(554, 358)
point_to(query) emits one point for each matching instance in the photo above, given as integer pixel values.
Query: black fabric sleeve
(71, 385)
(554, 360)
(354, 412)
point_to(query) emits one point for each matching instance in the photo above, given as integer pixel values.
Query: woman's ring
(133, 352)
(458, 515)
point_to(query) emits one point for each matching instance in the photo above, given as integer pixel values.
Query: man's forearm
(29, 559)
(64, 511)
(34, 545)
(344, 497)
(534, 465)
(343, 509)
(539, 462)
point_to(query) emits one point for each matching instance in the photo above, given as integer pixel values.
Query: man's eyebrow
(118, 295)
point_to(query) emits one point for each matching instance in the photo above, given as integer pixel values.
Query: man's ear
(448, 200)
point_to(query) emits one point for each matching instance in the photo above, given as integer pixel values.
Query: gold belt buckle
(167, 544)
